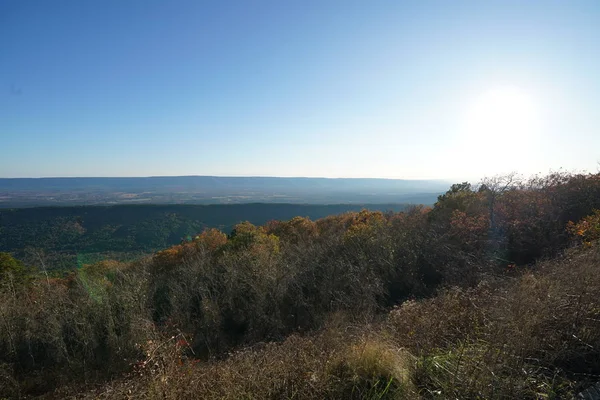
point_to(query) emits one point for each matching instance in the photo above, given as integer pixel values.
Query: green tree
(11, 269)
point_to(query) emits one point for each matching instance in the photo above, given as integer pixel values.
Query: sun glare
(501, 126)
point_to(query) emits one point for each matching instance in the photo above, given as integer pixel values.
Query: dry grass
(534, 336)
(330, 365)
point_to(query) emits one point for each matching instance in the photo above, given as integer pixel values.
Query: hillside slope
(528, 335)
(454, 301)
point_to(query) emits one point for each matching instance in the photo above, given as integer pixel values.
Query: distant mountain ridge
(158, 182)
(26, 192)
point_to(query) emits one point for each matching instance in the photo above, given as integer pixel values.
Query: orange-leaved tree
(587, 229)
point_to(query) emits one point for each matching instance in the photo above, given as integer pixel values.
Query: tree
(13, 274)
(493, 188)
(10, 268)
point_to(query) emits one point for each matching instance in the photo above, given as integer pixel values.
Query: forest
(67, 237)
(490, 293)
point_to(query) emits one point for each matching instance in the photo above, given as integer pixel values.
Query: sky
(316, 88)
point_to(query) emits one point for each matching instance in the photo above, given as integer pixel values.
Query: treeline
(217, 292)
(67, 237)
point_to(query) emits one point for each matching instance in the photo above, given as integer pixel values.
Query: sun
(500, 126)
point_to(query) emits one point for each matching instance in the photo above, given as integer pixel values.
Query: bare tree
(494, 187)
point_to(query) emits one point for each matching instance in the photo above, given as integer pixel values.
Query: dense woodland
(68, 237)
(490, 293)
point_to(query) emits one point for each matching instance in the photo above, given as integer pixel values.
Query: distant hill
(32, 192)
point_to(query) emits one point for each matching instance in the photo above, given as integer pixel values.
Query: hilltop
(490, 293)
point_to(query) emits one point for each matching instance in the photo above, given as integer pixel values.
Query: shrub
(587, 230)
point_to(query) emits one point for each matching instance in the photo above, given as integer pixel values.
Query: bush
(536, 335)
(81, 327)
(587, 230)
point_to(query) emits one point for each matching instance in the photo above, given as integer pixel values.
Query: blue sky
(396, 89)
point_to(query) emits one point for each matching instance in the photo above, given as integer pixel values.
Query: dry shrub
(534, 337)
(81, 328)
(442, 320)
(330, 365)
(372, 369)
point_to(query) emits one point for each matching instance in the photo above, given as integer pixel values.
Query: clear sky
(396, 89)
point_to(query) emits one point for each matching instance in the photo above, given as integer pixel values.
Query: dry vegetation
(448, 302)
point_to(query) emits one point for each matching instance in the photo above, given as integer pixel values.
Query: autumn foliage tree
(587, 230)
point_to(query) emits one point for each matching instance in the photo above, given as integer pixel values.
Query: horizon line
(225, 176)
